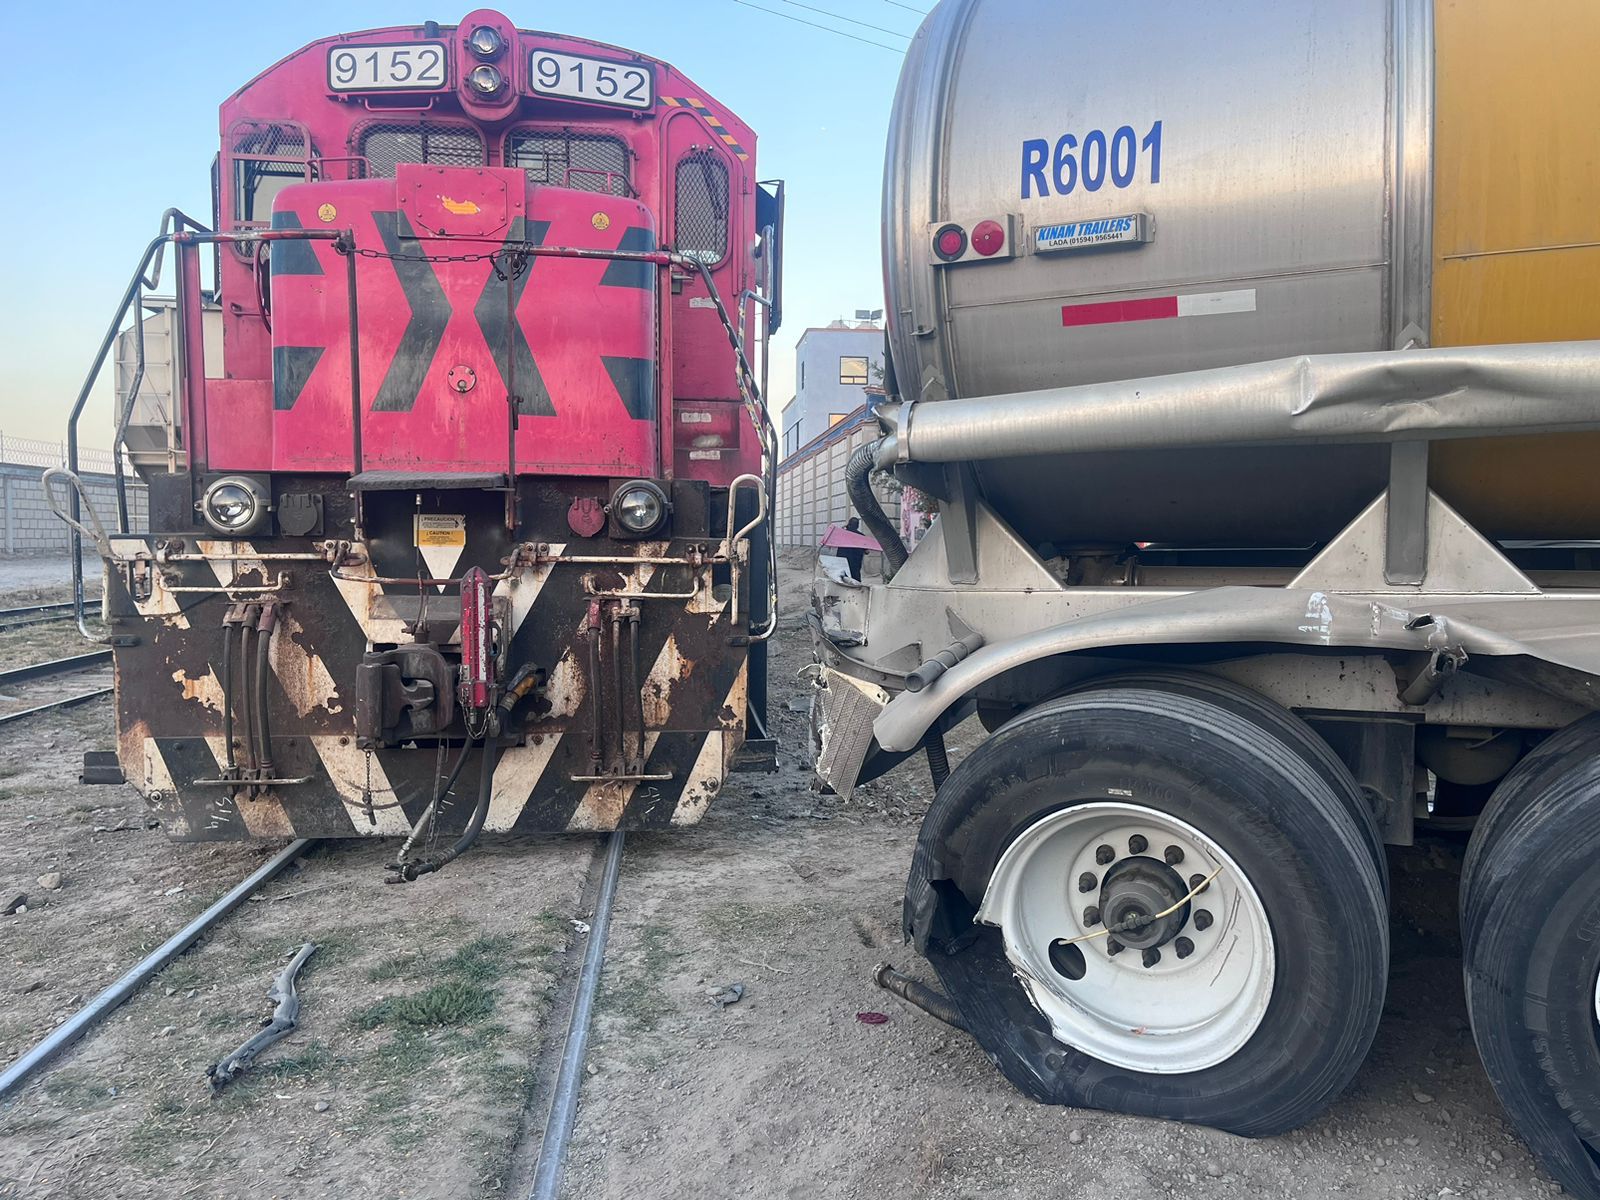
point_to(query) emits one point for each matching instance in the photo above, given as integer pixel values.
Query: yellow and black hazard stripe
(710, 119)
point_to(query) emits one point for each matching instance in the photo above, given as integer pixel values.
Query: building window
(853, 370)
(835, 418)
(791, 439)
(802, 376)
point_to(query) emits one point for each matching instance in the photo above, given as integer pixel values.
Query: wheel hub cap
(1133, 892)
(1076, 897)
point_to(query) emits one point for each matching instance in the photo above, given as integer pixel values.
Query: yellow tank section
(1516, 235)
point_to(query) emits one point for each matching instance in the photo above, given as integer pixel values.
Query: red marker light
(950, 242)
(988, 238)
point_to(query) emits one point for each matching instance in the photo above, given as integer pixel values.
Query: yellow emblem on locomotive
(327, 212)
(600, 220)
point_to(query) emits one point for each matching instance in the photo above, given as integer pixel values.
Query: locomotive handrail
(181, 230)
(147, 275)
(732, 538)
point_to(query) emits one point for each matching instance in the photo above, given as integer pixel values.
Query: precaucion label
(434, 529)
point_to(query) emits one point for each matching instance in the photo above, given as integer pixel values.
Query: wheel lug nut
(1104, 855)
(1183, 946)
(1138, 844)
(1091, 915)
(1174, 856)
(1195, 881)
(1087, 882)
(1202, 919)
(1113, 947)
(1151, 957)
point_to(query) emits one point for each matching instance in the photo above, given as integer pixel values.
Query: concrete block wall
(27, 526)
(811, 491)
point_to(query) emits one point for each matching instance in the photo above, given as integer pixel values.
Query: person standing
(853, 555)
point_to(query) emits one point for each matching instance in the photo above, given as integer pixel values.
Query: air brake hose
(227, 695)
(264, 628)
(469, 836)
(858, 483)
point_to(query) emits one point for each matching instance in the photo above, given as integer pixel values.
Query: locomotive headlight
(486, 80)
(639, 507)
(234, 504)
(485, 42)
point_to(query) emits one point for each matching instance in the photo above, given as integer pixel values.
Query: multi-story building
(833, 368)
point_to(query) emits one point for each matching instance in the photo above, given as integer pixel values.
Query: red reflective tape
(1116, 311)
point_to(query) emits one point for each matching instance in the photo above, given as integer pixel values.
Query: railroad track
(37, 614)
(15, 683)
(563, 1106)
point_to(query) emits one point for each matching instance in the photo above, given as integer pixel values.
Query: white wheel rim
(1179, 1015)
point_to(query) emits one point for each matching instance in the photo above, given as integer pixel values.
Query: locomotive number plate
(593, 80)
(414, 66)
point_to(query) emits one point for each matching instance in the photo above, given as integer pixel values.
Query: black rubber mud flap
(1303, 850)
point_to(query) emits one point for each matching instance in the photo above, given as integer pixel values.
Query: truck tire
(1527, 781)
(1533, 976)
(1101, 798)
(1282, 724)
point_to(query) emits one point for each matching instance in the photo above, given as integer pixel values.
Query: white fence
(37, 452)
(27, 526)
(811, 491)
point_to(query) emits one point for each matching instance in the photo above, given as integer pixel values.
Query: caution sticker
(438, 529)
(441, 540)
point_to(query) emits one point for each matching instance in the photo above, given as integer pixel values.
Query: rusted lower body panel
(611, 738)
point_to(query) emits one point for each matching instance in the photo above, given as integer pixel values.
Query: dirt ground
(428, 1017)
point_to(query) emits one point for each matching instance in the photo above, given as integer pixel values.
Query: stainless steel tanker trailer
(1245, 348)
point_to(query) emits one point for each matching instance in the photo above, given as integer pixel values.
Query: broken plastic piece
(285, 1017)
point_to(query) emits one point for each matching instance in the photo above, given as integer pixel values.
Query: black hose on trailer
(469, 836)
(938, 759)
(858, 483)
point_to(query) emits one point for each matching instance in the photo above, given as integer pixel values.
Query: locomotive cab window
(266, 159)
(701, 208)
(386, 146)
(587, 162)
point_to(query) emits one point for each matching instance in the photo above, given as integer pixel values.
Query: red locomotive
(480, 489)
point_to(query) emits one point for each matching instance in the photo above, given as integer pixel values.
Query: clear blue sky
(111, 117)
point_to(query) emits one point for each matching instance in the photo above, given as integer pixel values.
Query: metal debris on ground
(285, 1017)
(722, 997)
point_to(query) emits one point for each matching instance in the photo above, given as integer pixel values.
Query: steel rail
(56, 666)
(564, 1104)
(32, 613)
(67, 702)
(93, 1012)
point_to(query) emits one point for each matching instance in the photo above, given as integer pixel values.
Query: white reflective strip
(704, 782)
(515, 776)
(263, 816)
(604, 803)
(1205, 304)
(346, 766)
(523, 590)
